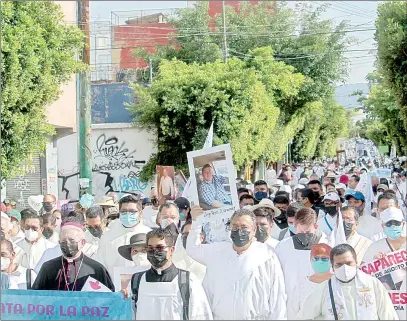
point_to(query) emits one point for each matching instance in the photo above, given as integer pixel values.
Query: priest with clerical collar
(70, 271)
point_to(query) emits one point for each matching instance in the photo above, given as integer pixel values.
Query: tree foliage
(38, 55)
(391, 37)
(383, 124)
(185, 98)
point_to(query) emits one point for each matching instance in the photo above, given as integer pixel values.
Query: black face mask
(96, 231)
(240, 238)
(307, 240)
(316, 195)
(184, 238)
(157, 259)
(47, 232)
(261, 234)
(48, 207)
(69, 250)
(2, 235)
(331, 210)
(348, 228)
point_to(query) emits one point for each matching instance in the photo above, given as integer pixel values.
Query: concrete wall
(62, 113)
(119, 153)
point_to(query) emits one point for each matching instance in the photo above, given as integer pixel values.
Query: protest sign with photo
(180, 181)
(213, 186)
(64, 305)
(391, 271)
(165, 183)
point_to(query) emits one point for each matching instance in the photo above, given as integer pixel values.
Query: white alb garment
(245, 286)
(364, 298)
(184, 262)
(327, 224)
(33, 252)
(302, 289)
(272, 242)
(295, 264)
(118, 235)
(163, 301)
(360, 244)
(19, 277)
(19, 237)
(369, 226)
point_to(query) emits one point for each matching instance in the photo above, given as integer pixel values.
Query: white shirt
(376, 247)
(118, 235)
(19, 237)
(19, 277)
(33, 252)
(167, 186)
(245, 286)
(369, 226)
(272, 242)
(360, 244)
(323, 225)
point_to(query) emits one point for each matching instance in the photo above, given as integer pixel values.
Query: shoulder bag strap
(135, 285)
(331, 294)
(183, 284)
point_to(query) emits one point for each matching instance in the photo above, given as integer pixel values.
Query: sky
(359, 14)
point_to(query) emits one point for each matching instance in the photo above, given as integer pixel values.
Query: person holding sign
(165, 292)
(243, 278)
(348, 295)
(71, 271)
(393, 226)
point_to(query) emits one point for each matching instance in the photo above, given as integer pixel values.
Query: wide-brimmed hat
(107, 201)
(267, 203)
(135, 240)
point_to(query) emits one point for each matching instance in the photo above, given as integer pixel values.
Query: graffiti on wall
(115, 169)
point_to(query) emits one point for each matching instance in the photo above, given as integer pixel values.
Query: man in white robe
(158, 292)
(130, 223)
(34, 244)
(243, 278)
(360, 243)
(368, 225)
(327, 223)
(294, 252)
(356, 295)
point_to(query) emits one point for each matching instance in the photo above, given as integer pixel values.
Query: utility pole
(225, 46)
(85, 121)
(150, 63)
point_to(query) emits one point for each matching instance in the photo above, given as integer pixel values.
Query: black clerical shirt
(72, 276)
(167, 275)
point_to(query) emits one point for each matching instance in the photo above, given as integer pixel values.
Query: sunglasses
(158, 248)
(7, 202)
(323, 259)
(392, 223)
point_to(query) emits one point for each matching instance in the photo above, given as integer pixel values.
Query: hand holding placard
(196, 212)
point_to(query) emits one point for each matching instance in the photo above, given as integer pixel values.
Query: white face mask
(140, 259)
(345, 273)
(5, 262)
(31, 235)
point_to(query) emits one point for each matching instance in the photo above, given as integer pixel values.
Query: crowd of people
(285, 258)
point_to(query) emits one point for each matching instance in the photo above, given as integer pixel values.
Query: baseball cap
(299, 186)
(382, 186)
(356, 195)
(182, 203)
(340, 186)
(16, 215)
(392, 214)
(344, 179)
(332, 197)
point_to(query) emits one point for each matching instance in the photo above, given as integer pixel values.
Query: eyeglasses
(323, 259)
(392, 223)
(158, 248)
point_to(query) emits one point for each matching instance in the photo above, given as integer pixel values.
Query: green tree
(391, 37)
(240, 97)
(38, 55)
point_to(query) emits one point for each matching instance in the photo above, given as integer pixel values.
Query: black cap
(146, 200)
(182, 203)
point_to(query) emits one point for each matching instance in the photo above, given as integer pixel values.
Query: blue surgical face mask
(320, 266)
(393, 232)
(292, 228)
(129, 219)
(181, 215)
(260, 195)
